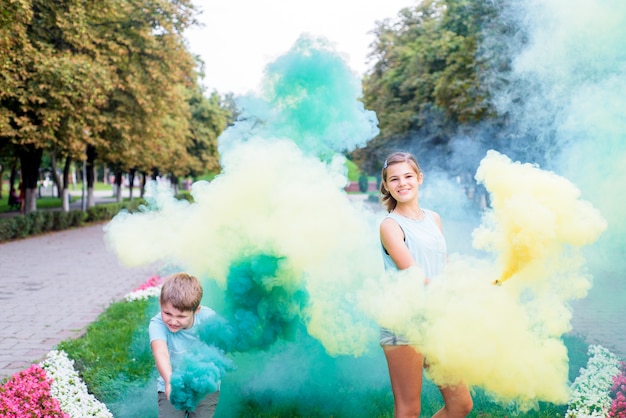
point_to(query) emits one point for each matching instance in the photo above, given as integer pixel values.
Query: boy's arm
(163, 364)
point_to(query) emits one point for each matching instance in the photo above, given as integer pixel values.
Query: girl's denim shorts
(389, 338)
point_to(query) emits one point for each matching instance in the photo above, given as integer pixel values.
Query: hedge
(42, 221)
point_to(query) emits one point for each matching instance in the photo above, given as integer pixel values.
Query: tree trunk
(113, 183)
(131, 182)
(13, 175)
(65, 196)
(55, 176)
(30, 159)
(118, 186)
(142, 192)
(12, 178)
(91, 166)
(174, 183)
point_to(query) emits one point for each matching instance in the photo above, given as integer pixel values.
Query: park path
(51, 287)
(601, 316)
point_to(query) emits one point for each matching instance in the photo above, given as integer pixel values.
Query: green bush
(107, 211)
(48, 221)
(42, 221)
(23, 226)
(37, 222)
(76, 218)
(60, 221)
(135, 205)
(102, 212)
(8, 228)
(364, 183)
(185, 195)
(353, 170)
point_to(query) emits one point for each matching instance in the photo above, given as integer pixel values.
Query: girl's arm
(163, 364)
(392, 238)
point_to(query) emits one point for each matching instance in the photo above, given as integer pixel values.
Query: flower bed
(150, 288)
(68, 388)
(618, 394)
(591, 395)
(27, 393)
(51, 388)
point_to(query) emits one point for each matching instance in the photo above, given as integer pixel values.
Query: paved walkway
(601, 316)
(51, 287)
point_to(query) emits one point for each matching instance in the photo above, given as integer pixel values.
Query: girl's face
(403, 182)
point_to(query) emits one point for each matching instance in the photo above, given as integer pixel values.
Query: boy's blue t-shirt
(177, 342)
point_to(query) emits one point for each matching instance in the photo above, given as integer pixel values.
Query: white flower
(590, 396)
(143, 294)
(69, 389)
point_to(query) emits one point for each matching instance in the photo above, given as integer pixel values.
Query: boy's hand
(168, 390)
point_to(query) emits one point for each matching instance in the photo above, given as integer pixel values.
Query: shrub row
(41, 221)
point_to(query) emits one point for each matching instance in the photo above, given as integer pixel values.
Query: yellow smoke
(535, 214)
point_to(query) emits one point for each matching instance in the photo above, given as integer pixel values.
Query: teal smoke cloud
(308, 96)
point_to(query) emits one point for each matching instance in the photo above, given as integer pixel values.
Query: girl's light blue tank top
(425, 242)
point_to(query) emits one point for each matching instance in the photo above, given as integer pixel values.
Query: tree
(426, 80)
(17, 53)
(426, 59)
(58, 86)
(87, 81)
(209, 118)
(147, 112)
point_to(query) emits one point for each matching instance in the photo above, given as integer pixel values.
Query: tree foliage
(428, 77)
(114, 78)
(427, 59)
(210, 116)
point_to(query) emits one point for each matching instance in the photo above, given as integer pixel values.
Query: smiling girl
(412, 236)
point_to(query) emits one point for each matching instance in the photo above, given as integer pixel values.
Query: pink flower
(151, 282)
(27, 393)
(618, 394)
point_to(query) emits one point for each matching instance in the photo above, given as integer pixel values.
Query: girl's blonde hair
(397, 157)
(183, 291)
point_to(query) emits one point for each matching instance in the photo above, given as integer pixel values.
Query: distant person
(14, 199)
(412, 236)
(172, 332)
(22, 196)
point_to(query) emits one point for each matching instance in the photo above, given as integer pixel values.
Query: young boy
(174, 331)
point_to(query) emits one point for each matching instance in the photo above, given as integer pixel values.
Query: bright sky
(240, 37)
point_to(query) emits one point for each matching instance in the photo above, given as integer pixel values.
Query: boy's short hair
(183, 291)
